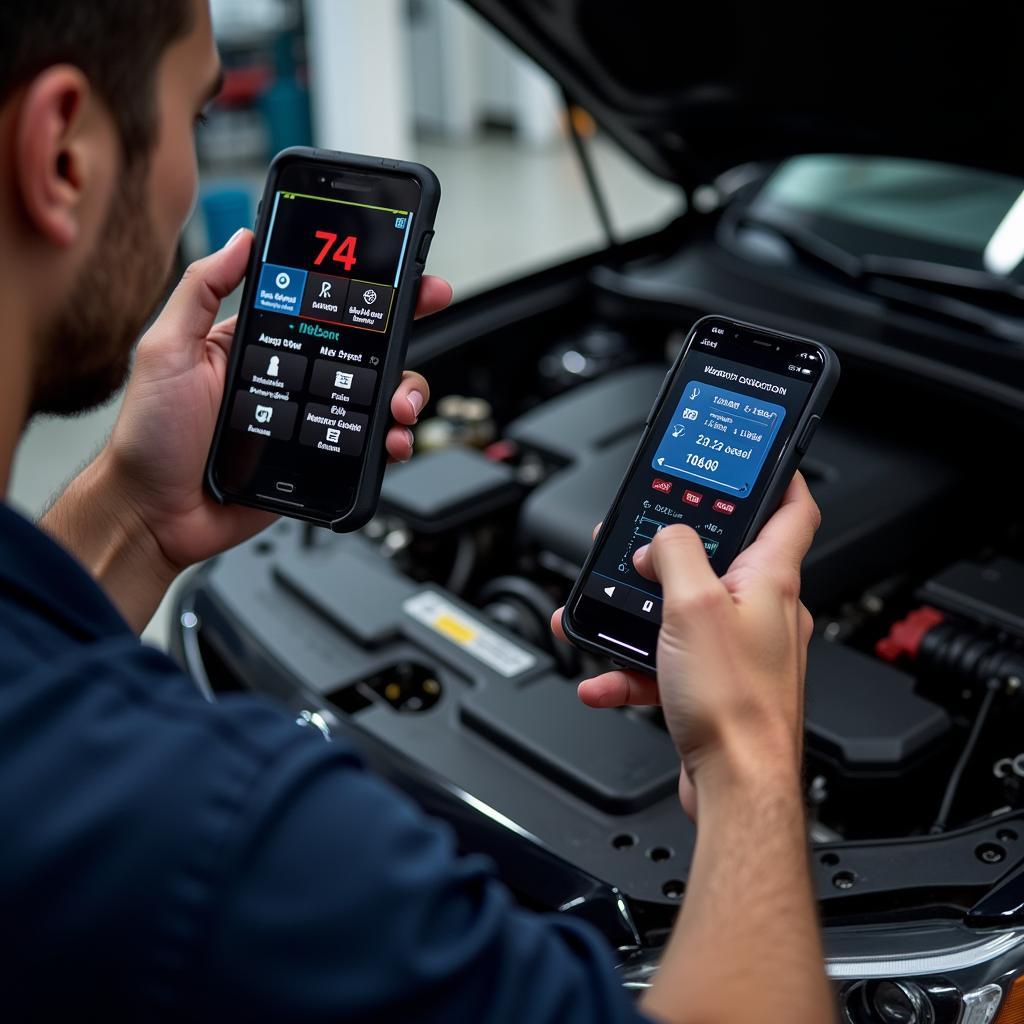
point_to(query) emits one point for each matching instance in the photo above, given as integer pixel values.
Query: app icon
(368, 305)
(678, 430)
(725, 507)
(333, 430)
(264, 413)
(325, 289)
(693, 498)
(280, 289)
(689, 414)
(609, 591)
(661, 485)
(400, 222)
(648, 605)
(265, 366)
(343, 380)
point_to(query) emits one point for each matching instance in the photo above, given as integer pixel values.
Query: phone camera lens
(321, 179)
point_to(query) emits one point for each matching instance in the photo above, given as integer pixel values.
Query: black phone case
(374, 459)
(786, 466)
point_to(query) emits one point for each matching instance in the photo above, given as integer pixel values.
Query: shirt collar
(36, 571)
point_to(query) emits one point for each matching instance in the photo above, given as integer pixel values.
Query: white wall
(359, 83)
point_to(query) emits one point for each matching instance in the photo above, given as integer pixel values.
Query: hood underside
(693, 89)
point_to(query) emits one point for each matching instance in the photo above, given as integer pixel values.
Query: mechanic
(168, 858)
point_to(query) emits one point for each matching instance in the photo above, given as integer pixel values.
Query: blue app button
(719, 437)
(280, 289)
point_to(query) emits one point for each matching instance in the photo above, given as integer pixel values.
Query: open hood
(691, 89)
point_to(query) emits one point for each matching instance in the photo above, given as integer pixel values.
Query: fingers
(399, 443)
(435, 294)
(786, 537)
(193, 305)
(407, 403)
(411, 395)
(617, 688)
(677, 560)
(805, 625)
(612, 689)
(556, 625)
(223, 334)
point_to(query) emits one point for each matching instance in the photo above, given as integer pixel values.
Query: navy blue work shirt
(166, 858)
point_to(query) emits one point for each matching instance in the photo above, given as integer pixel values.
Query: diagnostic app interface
(318, 328)
(731, 408)
(719, 437)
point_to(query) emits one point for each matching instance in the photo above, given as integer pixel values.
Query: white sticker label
(471, 635)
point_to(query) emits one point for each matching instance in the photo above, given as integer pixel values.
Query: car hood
(692, 89)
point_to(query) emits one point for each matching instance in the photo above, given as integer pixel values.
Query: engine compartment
(426, 635)
(885, 719)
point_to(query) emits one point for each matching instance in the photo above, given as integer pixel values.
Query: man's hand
(731, 660)
(149, 477)
(731, 651)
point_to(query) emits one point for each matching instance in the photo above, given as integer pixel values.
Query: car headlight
(955, 985)
(960, 976)
(899, 1001)
(926, 1001)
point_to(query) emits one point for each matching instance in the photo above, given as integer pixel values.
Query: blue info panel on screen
(280, 289)
(718, 437)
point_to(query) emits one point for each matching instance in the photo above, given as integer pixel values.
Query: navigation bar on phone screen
(623, 596)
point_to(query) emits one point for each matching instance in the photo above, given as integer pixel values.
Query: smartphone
(340, 245)
(733, 418)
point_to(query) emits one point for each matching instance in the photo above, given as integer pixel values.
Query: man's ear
(65, 146)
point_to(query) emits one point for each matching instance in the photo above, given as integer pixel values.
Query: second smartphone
(340, 245)
(734, 416)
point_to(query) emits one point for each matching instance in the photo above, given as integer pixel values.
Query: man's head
(98, 102)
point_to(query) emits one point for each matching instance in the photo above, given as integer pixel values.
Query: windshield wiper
(976, 298)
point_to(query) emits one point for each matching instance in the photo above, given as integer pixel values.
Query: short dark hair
(117, 44)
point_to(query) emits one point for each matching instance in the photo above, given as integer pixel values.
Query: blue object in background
(226, 208)
(285, 104)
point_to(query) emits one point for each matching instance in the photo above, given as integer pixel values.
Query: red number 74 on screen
(344, 254)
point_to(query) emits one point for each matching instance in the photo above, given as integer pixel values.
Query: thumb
(677, 559)
(194, 304)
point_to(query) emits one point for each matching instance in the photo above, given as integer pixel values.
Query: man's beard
(85, 354)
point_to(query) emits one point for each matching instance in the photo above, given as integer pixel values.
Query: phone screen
(330, 251)
(716, 439)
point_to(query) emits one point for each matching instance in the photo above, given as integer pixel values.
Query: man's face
(127, 271)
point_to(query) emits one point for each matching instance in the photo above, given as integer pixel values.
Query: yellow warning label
(453, 629)
(456, 625)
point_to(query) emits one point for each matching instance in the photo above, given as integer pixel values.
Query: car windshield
(902, 209)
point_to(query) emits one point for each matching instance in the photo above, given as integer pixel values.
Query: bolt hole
(844, 879)
(830, 860)
(673, 889)
(659, 853)
(624, 840)
(264, 547)
(990, 853)
(1006, 835)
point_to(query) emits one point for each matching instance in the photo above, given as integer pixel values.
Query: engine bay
(426, 635)
(919, 605)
